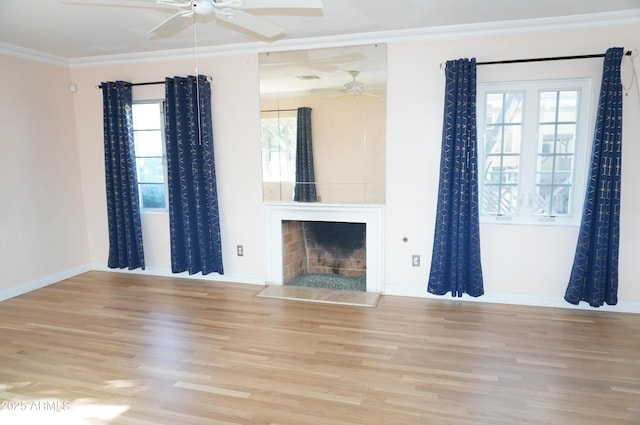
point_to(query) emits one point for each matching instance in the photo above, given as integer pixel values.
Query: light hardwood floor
(114, 348)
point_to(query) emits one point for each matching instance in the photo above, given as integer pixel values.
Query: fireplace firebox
(323, 248)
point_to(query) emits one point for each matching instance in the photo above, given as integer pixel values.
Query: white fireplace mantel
(372, 215)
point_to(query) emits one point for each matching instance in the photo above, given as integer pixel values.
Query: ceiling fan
(353, 87)
(231, 11)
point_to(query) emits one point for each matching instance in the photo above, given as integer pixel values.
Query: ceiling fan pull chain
(195, 51)
(195, 43)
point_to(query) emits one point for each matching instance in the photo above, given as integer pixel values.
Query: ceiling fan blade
(153, 4)
(163, 2)
(172, 3)
(250, 22)
(173, 23)
(177, 3)
(326, 91)
(281, 4)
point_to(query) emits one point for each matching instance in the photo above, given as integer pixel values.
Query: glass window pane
(150, 157)
(560, 200)
(548, 104)
(566, 138)
(559, 106)
(544, 177)
(146, 116)
(510, 168)
(152, 195)
(493, 139)
(554, 170)
(504, 108)
(552, 200)
(562, 178)
(150, 170)
(499, 199)
(563, 170)
(564, 163)
(542, 200)
(545, 164)
(513, 108)
(512, 139)
(494, 108)
(508, 200)
(568, 103)
(546, 138)
(502, 145)
(489, 202)
(148, 143)
(492, 169)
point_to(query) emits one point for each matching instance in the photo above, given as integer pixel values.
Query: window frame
(529, 148)
(162, 129)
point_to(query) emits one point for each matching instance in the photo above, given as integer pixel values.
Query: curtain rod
(554, 58)
(151, 83)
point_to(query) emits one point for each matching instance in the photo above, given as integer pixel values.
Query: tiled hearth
(371, 215)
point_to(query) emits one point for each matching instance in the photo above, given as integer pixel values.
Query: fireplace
(326, 220)
(323, 248)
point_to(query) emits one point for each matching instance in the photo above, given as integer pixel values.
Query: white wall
(529, 264)
(42, 225)
(235, 109)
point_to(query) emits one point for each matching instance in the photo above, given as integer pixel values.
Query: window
(148, 132)
(533, 144)
(278, 136)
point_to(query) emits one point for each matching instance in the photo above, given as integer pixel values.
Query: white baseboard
(166, 272)
(396, 290)
(517, 299)
(43, 281)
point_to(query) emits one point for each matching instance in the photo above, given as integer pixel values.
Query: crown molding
(623, 17)
(631, 16)
(33, 55)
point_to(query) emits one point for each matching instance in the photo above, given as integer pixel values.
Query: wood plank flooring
(114, 348)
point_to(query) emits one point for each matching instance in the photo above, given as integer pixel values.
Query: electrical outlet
(240, 250)
(415, 260)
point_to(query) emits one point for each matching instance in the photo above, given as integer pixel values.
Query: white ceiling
(74, 29)
(90, 31)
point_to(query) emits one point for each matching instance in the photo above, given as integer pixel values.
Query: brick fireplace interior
(323, 248)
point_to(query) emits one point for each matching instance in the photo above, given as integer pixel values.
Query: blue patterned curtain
(594, 275)
(193, 199)
(123, 212)
(305, 187)
(455, 262)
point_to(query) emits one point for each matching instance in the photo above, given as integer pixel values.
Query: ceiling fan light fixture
(354, 87)
(203, 7)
